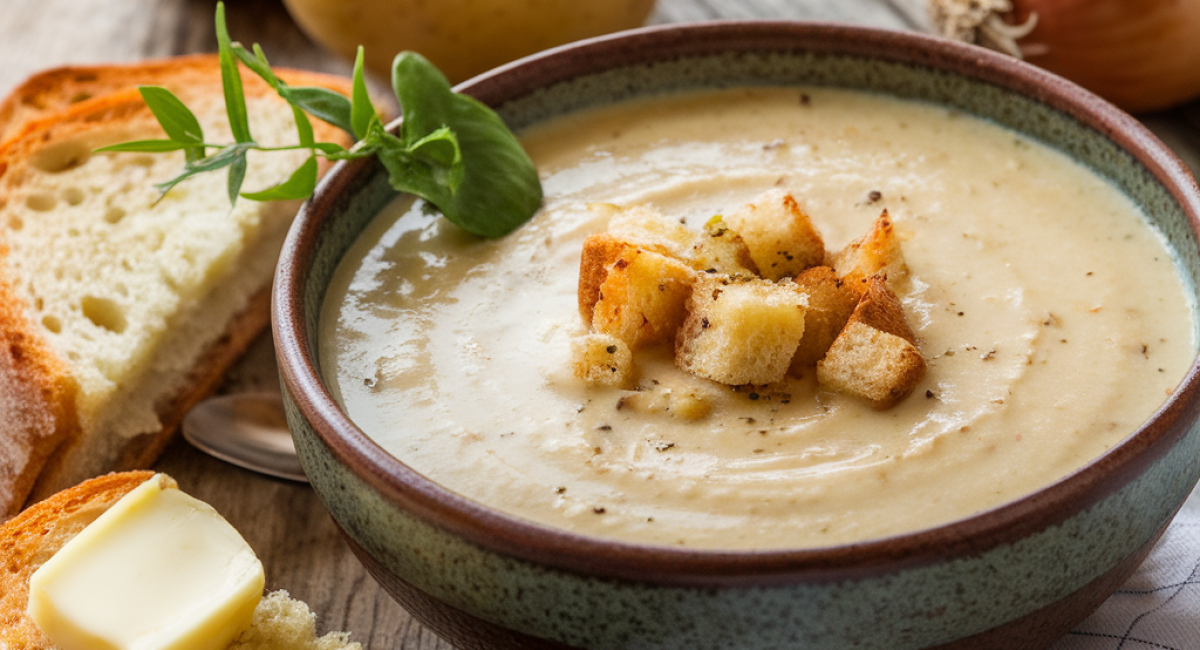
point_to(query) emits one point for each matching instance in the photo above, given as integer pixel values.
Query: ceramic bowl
(1017, 576)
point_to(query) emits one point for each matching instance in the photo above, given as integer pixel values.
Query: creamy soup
(1052, 318)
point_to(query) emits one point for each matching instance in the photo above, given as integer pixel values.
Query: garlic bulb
(1142, 55)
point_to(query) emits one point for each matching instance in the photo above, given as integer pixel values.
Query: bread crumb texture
(747, 301)
(111, 295)
(282, 623)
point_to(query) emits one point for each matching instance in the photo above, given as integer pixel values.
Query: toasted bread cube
(649, 229)
(602, 360)
(740, 331)
(780, 236)
(876, 253)
(830, 303)
(642, 299)
(681, 404)
(721, 250)
(875, 357)
(599, 252)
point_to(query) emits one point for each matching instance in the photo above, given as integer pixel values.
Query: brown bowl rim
(507, 535)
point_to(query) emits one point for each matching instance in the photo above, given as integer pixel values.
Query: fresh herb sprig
(451, 150)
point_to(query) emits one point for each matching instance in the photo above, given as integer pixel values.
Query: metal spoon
(248, 430)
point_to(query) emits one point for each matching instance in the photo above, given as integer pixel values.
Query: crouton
(876, 253)
(642, 299)
(830, 303)
(649, 229)
(721, 250)
(679, 403)
(780, 236)
(599, 252)
(740, 331)
(875, 357)
(603, 360)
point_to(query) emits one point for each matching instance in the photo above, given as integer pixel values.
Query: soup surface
(1052, 318)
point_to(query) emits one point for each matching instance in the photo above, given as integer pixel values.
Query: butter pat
(160, 570)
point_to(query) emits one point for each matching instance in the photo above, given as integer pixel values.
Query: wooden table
(283, 521)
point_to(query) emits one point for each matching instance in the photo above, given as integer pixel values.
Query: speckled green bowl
(1018, 576)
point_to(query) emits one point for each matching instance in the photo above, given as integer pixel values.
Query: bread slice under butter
(36, 534)
(118, 311)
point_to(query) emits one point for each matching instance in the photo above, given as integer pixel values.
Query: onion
(1142, 55)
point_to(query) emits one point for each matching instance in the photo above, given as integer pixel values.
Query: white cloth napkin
(1159, 607)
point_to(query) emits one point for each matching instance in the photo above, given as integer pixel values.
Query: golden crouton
(649, 229)
(830, 303)
(642, 298)
(721, 250)
(875, 253)
(740, 331)
(681, 404)
(780, 236)
(602, 359)
(599, 252)
(876, 356)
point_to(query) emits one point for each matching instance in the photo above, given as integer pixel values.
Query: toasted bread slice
(55, 90)
(876, 253)
(740, 331)
(830, 303)
(782, 239)
(121, 310)
(876, 355)
(28, 540)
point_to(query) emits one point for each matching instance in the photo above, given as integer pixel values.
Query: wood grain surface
(300, 548)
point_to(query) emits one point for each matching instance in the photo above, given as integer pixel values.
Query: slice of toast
(28, 540)
(118, 310)
(52, 91)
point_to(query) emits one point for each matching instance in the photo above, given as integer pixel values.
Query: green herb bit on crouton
(875, 357)
(740, 331)
(780, 236)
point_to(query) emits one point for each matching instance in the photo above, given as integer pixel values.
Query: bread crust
(51, 122)
(48, 93)
(32, 537)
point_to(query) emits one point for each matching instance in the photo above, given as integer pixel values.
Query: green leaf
(304, 128)
(361, 111)
(224, 157)
(237, 175)
(231, 81)
(257, 63)
(321, 103)
(179, 123)
(145, 146)
(331, 149)
(497, 188)
(299, 186)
